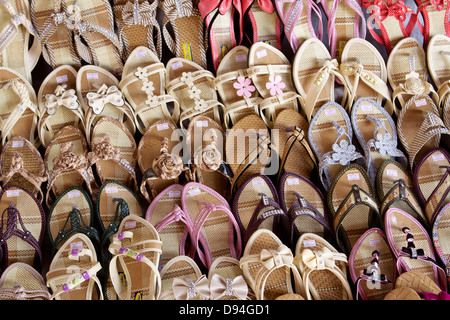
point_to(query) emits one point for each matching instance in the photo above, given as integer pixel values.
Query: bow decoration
(438, 4)
(186, 289)
(318, 259)
(276, 258)
(61, 97)
(381, 10)
(221, 287)
(98, 100)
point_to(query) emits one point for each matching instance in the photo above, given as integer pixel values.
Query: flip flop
(439, 234)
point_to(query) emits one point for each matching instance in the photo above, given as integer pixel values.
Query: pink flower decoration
(275, 85)
(244, 86)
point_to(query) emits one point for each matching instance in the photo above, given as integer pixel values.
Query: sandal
(268, 267)
(193, 87)
(182, 279)
(219, 21)
(187, 24)
(305, 207)
(171, 222)
(392, 19)
(99, 95)
(297, 18)
(205, 138)
(137, 25)
(314, 75)
(352, 205)
(364, 71)
(330, 136)
(248, 149)
(395, 189)
(256, 205)
(136, 250)
(143, 84)
(21, 281)
(439, 235)
(22, 165)
(67, 165)
(22, 228)
(18, 108)
(235, 88)
(72, 274)
(293, 144)
(434, 15)
(426, 288)
(16, 29)
(412, 246)
(431, 182)
(113, 152)
(216, 231)
(227, 280)
(157, 159)
(71, 213)
(376, 133)
(345, 21)
(372, 266)
(58, 104)
(322, 268)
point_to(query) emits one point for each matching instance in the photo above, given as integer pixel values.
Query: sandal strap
(437, 198)
(201, 107)
(18, 292)
(269, 106)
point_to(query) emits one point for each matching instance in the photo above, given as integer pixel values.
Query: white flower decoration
(148, 87)
(201, 105)
(141, 73)
(187, 78)
(194, 93)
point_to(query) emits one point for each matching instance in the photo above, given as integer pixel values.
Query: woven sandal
(136, 250)
(182, 279)
(293, 144)
(16, 30)
(345, 21)
(395, 189)
(408, 74)
(188, 41)
(268, 267)
(227, 280)
(434, 16)
(137, 25)
(18, 108)
(403, 294)
(372, 266)
(113, 152)
(421, 284)
(22, 228)
(376, 133)
(216, 231)
(297, 18)
(412, 246)
(330, 136)
(71, 213)
(323, 269)
(247, 149)
(58, 103)
(220, 27)
(431, 180)
(21, 281)
(364, 70)
(55, 26)
(67, 165)
(165, 213)
(439, 235)
(390, 21)
(261, 23)
(193, 87)
(143, 84)
(99, 95)
(314, 74)
(22, 165)
(352, 205)
(206, 139)
(271, 107)
(235, 88)
(270, 70)
(256, 205)
(157, 158)
(72, 274)
(305, 207)
(437, 57)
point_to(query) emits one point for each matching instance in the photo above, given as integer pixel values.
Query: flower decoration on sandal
(275, 85)
(244, 87)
